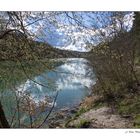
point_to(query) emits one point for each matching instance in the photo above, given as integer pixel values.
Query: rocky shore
(59, 118)
(86, 116)
(100, 118)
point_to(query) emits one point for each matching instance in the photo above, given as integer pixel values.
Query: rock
(101, 118)
(64, 109)
(73, 111)
(127, 116)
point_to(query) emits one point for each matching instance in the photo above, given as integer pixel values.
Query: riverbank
(89, 114)
(100, 118)
(93, 113)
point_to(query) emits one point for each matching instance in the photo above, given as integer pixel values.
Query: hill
(17, 46)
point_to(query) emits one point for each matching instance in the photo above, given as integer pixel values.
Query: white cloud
(71, 75)
(128, 20)
(80, 35)
(76, 77)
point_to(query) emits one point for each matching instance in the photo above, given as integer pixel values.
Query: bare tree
(102, 30)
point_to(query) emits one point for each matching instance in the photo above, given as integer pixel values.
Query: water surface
(70, 79)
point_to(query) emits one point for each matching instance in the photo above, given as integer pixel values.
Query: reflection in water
(72, 79)
(25, 100)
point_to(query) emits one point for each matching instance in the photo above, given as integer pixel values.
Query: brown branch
(29, 77)
(9, 31)
(49, 111)
(3, 121)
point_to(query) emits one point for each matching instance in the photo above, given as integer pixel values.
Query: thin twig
(49, 111)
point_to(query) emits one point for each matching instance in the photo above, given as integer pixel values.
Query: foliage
(115, 58)
(137, 121)
(116, 63)
(115, 67)
(12, 75)
(83, 124)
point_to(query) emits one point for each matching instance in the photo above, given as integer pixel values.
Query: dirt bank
(100, 118)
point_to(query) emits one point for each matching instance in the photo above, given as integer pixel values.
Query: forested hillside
(104, 81)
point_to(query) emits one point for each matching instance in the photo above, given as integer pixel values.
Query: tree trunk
(136, 23)
(3, 121)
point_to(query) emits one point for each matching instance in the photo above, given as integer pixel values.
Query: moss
(67, 122)
(98, 104)
(129, 106)
(83, 124)
(137, 121)
(80, 111)
(77, 114)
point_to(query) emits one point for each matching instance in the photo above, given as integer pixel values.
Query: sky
(67, 33)
(90, 34)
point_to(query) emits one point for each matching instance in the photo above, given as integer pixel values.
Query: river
(71, 82)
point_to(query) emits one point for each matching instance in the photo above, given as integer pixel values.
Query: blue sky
(72, 34)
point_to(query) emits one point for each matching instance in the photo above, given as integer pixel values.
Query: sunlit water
(72, 80)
